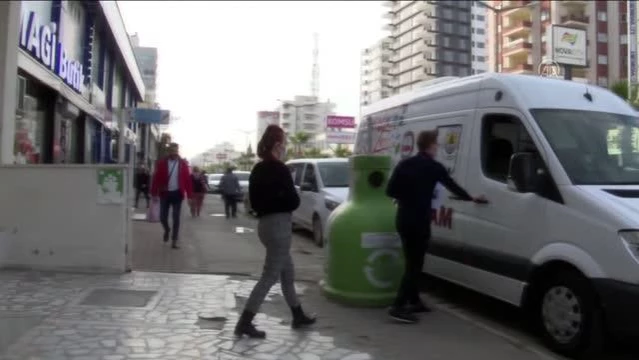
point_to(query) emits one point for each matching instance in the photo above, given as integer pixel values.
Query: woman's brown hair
(272, 135)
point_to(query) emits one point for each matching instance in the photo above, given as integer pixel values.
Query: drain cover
(139, 217)
(118, 298)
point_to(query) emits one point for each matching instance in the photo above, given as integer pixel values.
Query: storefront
(69, 82)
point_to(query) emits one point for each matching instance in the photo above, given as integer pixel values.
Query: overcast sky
(222, 61)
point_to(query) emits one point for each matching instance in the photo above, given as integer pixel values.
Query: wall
(9, 25)
(50, 220)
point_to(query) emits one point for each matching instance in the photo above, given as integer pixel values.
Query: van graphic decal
(407, 145)
(449, 137)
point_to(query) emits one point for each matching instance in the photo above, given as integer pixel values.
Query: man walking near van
(171, 182)
(412, 185)
(230, 189)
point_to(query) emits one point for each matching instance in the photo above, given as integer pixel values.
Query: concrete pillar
(9, 32)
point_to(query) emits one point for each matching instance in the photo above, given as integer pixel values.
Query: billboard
(149, 116)
(340, 122)
(569, 46)
(340, 137)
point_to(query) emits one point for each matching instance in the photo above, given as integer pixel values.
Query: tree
(621, 89)
(314, 153)
(342, 151)
(299, 141)
(246, 160)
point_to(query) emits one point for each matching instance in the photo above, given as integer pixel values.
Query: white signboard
(340, 137)
(569, 46)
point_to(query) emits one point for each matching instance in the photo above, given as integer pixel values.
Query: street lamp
(497, 11)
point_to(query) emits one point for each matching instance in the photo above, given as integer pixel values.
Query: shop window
(34, 112)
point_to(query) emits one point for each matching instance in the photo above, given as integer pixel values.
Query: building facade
(479, 57)
(264, 119)
(375, 77)
(524, 37)
(75, 73)
(147, 60)
(430, 39)
(220, 154)
(305, 114)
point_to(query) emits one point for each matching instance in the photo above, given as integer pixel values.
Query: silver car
(214, 183)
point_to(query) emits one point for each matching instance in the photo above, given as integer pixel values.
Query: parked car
(243, 177)
(323, 186)
(214, 183)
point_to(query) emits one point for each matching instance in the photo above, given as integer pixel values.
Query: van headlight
(631, 240)
(331, 204)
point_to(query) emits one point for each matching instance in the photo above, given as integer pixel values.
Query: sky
(220, 62)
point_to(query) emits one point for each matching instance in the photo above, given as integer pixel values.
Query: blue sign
(41, 41)
(149, 116)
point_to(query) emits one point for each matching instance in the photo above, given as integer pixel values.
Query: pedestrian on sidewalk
(141, 183)
(230, 189)
(171, 181)
(412, 185)
(273, 197)
(199, 185)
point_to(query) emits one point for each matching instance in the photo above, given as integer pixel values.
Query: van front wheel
(569, 316)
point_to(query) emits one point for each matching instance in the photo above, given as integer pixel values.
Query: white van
(322, 185)
(559, 163)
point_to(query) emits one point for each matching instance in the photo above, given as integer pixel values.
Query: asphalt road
(216, 245)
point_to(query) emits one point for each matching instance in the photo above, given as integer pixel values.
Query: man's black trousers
(415, 236)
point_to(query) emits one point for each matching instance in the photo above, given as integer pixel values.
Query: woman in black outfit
(273, 198)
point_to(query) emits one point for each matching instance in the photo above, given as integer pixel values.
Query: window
(545, 15)
(446, 41)
(623, 39)
(602, 16)
(309, 175)
(602, 59)
(463, 44)
(481, 18)
(463, 71)
(602, 37)
(447, 14)
(594, 148)
(448, 28)
(480, 31)
(449, 56)
(335, 174)
(481, 45)
(310, 116)
(502, 136)
(463, 58)
(602, 81)
(481, 58)
(448, 70)
(296, 172)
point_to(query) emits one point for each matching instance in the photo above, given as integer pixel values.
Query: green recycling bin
(363, 256)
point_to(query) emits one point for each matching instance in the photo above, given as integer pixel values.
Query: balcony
(390, 15)
(389, 3)
(521, 46)
(517, 28)
(519, 10)
(574, 3)
(580, 21)
(389, 27)
(519, 69)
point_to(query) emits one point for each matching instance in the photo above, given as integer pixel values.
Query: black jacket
(413, 182)
(271, 188)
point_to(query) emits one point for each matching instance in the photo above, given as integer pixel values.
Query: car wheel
(569, 315)
(318, 233)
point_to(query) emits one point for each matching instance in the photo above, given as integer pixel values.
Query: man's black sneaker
(419, 308)
(166, 236)
(402, 315)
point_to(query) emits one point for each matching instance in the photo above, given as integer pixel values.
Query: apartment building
(305, 114)
(430, 39)
(375, 72)
(479, 52)
(525, 36)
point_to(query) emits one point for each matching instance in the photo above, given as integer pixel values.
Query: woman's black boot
(245, 326)
(300, 319)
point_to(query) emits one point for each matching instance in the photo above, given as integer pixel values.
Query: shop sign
(41, 41)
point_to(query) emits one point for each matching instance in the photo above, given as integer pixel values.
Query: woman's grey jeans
(275, 233)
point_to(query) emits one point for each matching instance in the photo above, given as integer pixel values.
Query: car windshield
(595, 148)
(336, 174)
(215, 177)
(242, 176)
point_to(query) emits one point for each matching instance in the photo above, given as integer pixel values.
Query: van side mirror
(522, 173)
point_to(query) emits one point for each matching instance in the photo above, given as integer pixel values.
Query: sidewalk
(155, 316)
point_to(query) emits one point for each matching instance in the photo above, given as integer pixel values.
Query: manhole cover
(118, 298)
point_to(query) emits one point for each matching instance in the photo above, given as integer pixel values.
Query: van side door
(500, 237)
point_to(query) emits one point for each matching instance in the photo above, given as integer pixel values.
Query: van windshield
(335, 174)
(595, 148)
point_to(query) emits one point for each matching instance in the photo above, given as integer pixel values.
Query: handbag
(153, 212)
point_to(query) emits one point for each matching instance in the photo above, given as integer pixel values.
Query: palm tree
(621, 89)
(342, 151)
(299, 141)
